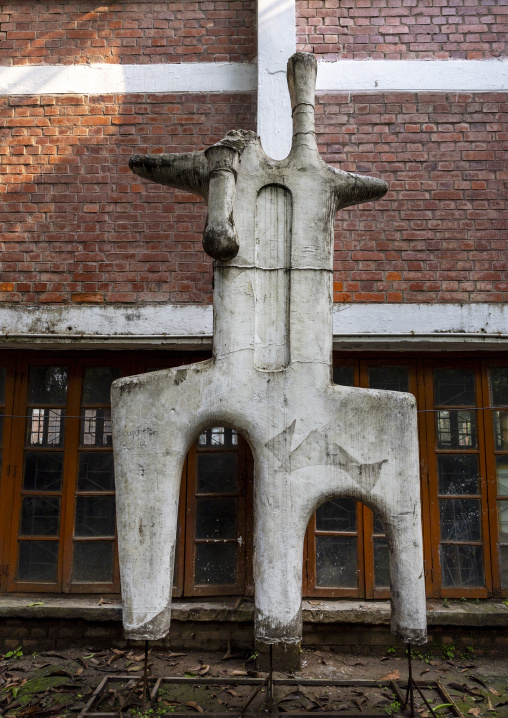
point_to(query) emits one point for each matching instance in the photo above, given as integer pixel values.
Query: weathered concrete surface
(270, 378)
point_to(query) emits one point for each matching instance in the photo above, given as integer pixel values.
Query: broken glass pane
(92, 562)
(217, 473)
(96, 427)
(502, 475)
(502, 521)
(344, 375)
(337, 515)
(96, 471)
(456, 429)
(38, 561)
(95, 516)
(395, 378)
(215, 518)
(45, 427)
(454, 387)
(40, 516)
(500, 419)
(97, 384)
(462, 566)
(336, 561)
(498, 377)
(460, 519)
(43, 471)
(219, 436)
(458, 473)
(47, 385)
(215, 563)
(381, 563)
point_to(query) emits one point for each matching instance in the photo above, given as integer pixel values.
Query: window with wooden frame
(57, 483)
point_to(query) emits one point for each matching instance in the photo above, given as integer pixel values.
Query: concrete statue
(270, 231)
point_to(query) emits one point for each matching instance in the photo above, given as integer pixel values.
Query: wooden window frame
(16, 363)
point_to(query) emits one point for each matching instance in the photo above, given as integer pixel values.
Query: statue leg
(155, 419)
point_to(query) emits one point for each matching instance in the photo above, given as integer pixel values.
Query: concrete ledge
(489, 613)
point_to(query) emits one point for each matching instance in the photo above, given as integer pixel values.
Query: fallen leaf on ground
(135, 667)
(474, 711)
(193, 704)
(233, 693)
(494, 692)
(102, 600)
(238, 673)
(37, 603)
(315, 603)
(392, 676)
(174, 655)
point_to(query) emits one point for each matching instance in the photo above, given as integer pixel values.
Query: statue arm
(351, 189)
(187, 171)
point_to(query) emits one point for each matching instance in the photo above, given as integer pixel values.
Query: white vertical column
(276, 44)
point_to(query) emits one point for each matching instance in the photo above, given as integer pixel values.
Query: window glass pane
(344, 375)
(216, 518)
(96, 427)
(462, 566)
(503, 560)
(47, 385)
(38, 561)
(381, 563)
(43, 471)
(96, 471)
(215, 563)
(45, 427)
(219, 436)
(458, 474)
(500, 419)
(92, 562)
(95, 516)
(2, 385)
(378, 526)
(337, 515)
(336, 561)
(460, 519)
(40, 516)
(395, 378)
(502, 520)
(97, 384)
(502, 475)
(456, 429)
(217, 473)
(454, 387)
(498, 377)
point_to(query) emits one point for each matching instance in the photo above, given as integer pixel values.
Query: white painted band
(413, 76)
(355, 326)
(340, 76)
(98, 78)
(276, 44)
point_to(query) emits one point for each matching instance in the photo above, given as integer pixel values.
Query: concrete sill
(455, 613)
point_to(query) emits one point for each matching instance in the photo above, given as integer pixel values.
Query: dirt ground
(60, 683)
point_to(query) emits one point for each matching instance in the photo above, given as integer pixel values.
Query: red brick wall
(76, 224)
(402, 29)
(440, 232)
(126, 32)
